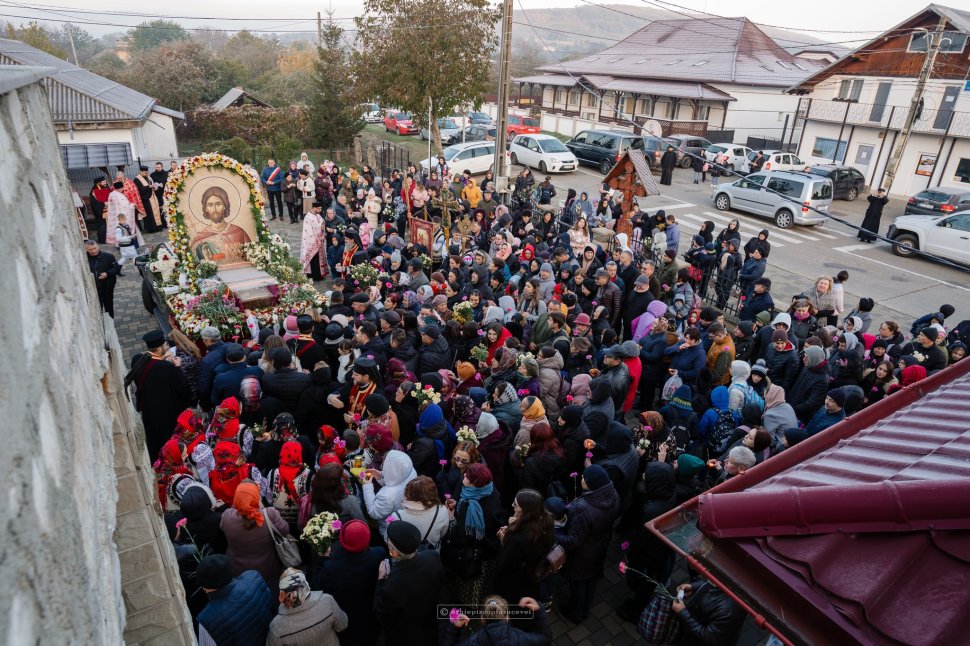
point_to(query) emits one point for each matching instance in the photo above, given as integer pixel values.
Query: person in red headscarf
(225, 425)
(169, 468)
(190, 431)
(231, 469)
(289, 482)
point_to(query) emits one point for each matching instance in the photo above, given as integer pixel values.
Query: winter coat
(351, 579)
(504, 633)
(688, 363)
(822, 420)
(517, 558)
(202, 522)
(434, 357)
(619, 380)
(286, 385)
(779, 415)
(539, 470)
(405, 601)
(550, 379)
(782, 366)
(846, 364)
(252, 549)
(754, 304)
(396, 473)
(240, 612)
(599, 410)
(314, 622)
(586, 536)
(611, 297)
(710, 617)
(652, 349)
(807, 394)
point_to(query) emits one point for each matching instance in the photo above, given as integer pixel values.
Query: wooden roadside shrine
(632, 177)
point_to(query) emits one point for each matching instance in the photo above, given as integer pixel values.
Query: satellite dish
(653, 127)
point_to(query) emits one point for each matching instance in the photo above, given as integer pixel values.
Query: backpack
(424, 545)
(679, 431)
(751, 395)
(723, 431)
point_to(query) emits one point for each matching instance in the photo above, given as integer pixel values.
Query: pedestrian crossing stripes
(746, 230)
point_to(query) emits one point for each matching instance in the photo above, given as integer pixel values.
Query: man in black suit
(106, 270)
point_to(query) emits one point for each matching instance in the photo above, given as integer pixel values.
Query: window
(829, 149)
(629, 105)
(573, 97)
(753, 181)
(580, 138)
(953, 42)
(643, 106)
(821, 191)
(959, 222)
(559, 97)
(465, 154)
(704, 112)
(962, 174)
(590, 100)
(787, 187)
(879, 104)
(851, 89)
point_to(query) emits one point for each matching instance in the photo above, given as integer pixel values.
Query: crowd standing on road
(493, 413)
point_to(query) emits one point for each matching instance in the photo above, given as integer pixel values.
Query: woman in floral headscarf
(251, 545)
(190, 433)
(289, 482)
(169, 468)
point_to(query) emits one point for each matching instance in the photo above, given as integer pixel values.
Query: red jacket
(636, 369)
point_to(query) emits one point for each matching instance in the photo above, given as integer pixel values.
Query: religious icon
(422, 232)
(220, 242)
(215, 202)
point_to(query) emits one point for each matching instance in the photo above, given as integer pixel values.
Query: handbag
(658, 624)
(286, 546)
(550, 564)
(461, 555)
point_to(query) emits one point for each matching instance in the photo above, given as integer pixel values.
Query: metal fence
(720, 136)
(388, 156)
(765, 143)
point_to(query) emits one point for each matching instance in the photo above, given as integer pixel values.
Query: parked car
(476, 133)
(399, 122)
(655, 147)
(938, 201)
(544, 152)
(692, 145)
(736, 154)
(847, 182)
(942, 235)
(448, 129)
(776, 160)
(603, 148)
(475, 156)
(519, 125)
(749, 194)
(371, 112)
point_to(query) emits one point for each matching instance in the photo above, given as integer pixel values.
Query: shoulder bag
(550, 564)
(286, 546)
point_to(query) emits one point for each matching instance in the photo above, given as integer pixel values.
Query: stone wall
(68, 445)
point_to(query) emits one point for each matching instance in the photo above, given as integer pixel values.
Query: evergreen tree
(335, 118)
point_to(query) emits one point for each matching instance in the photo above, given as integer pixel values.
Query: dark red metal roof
(860, 534)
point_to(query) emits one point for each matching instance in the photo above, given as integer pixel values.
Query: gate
(389, 156)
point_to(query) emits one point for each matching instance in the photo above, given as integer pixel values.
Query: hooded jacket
(740, 371)
(599, 410)
(754, 304)
(643, 324)
(720, 402)
(779, 414)
(782, 365)
(434, 357)
(847, 364)
(434, 441)
(807, 394)
(397, 472)
(688, 362)
(587, 533)
(621, 462)
(550, 379)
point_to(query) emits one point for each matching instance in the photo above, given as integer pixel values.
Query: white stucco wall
(159, 136)
(757, 112)
(100, 136)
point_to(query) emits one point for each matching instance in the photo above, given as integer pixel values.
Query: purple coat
(643, 324)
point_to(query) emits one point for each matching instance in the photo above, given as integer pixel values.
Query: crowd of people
(491, 414)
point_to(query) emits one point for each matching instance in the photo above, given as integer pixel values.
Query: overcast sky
(865, 16)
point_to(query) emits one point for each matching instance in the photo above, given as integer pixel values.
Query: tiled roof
(77, 95)
(715, 50)
(860, 534)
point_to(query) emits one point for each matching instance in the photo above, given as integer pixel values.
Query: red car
(400, 122)
(516, 125)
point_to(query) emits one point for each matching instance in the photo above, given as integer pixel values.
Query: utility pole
(934, 41)
(505, 59)
(319, 30)
(70, 34)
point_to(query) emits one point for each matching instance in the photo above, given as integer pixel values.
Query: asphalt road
(903, 288)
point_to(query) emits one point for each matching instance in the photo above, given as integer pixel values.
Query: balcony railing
(930, 120)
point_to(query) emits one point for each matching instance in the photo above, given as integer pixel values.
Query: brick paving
(603, 626)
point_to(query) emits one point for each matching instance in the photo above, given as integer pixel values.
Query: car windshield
(932, 196)
(447, 123)
(403, 116)
(824, 172)
(552, 146)
(716, 149)
(530, 122)
(452, 151)
(478, 116)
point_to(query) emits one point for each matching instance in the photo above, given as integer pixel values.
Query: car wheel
(905, 245)
(852, 194)
(513, 159)
(722, 202)
(784, 219)
(685, 162)
(146, 297)
(542, 167)
(606, 166)
(730, 167)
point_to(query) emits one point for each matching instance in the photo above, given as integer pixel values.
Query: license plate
(925, 205)
(566, 167)
(822, 207)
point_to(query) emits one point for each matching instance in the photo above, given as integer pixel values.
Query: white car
(544, 152)
(946, 236)
(447, 127)
(776, 160)
(474, 156)
(371, 113)
(736, 154)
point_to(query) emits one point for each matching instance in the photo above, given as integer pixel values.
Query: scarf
(246, 502)
(227, 476)
(508, 395)
(535, 411)
(474, 516)
(284, 427)
(168, 465)
(291, 464)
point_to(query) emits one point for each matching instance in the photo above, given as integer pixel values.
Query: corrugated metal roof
(233, 95)
(715, 50)
(634, 86)
(826, 540)
(77, 95)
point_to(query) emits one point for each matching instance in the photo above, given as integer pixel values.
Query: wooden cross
(628, 182)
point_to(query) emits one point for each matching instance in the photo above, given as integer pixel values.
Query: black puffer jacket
(808, 392)
(710, 618)
(434, 357)
(202, 523)
(286, 385)
(782, 366)
(539, 470)
(586, 536)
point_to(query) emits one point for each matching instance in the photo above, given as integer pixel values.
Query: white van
(786, 200)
